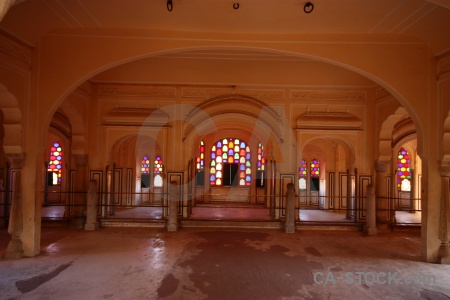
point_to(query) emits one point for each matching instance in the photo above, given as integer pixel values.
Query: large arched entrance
(233, 169)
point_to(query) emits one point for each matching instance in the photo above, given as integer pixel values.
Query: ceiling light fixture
(169, 5)
(308, 8)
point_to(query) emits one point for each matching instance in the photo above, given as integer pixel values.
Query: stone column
(289, 225)
(370, 227)
(444, 227)
(172, 222)
(15, 246)
(92, 207)
(382, 202)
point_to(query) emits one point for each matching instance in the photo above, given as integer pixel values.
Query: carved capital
(381, 166)
(17, 160)
(81, 160)
(444, 168)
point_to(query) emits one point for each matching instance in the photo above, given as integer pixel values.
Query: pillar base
(383, 228)
(370, 230)
(172, 227)
(15, 249)
(444, 255)
(77, 222)
(289, 229)
(91, 226)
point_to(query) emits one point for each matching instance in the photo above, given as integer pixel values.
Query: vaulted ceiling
(429, 20)
(425, 21)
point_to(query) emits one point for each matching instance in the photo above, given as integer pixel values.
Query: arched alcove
(446, 139)
(12, 121)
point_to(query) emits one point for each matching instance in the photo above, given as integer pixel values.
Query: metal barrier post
(289, 226)
(92, 207)
(371, 218)
(172, 223)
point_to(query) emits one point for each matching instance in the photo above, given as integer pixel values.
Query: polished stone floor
(194, 263)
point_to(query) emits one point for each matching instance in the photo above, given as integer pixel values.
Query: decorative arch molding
(237, 112)
(392, 55)
(130, 116)
(61, 123)
(386, 133)
(12, 121)
(312, 120)
(5, 5)
(446, 139)
(404, 130)
(331, 142)
(77, 124)
(137, 144)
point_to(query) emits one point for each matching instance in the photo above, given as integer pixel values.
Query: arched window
(403, 171)
(302, 175)
(261, 167)
(54, 169)
(200, 165)
(314, 169)
(145, 172)
(230, 163)
(145, 165)
(157, 172)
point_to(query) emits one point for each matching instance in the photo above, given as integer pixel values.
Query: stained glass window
(315, 168)
(55, 164)
(302, 169)
(227, 152)
(403, 171)
(261, 159)
(157, 172)
(302, 175)
(200, 166)
(200, 162)
(145, 165)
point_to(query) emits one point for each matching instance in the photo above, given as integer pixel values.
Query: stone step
(230, 224)
(329, 226)
(121, 222)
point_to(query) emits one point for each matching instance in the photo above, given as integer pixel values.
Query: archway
(343, 61)
(254, 129)
(446, 139)
(328, 170)
(398, 161)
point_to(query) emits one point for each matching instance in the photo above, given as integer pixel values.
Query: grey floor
(194, 263)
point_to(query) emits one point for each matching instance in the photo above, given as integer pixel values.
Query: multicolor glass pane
(315, 168)
(145, 165)
(403, 167)
(261, 159)
(157, 166)
(55, 163)
(157, 172)
(303, 169)
(231, 150)
(200, 161)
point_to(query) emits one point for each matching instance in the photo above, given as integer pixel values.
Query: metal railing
(397, 211)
